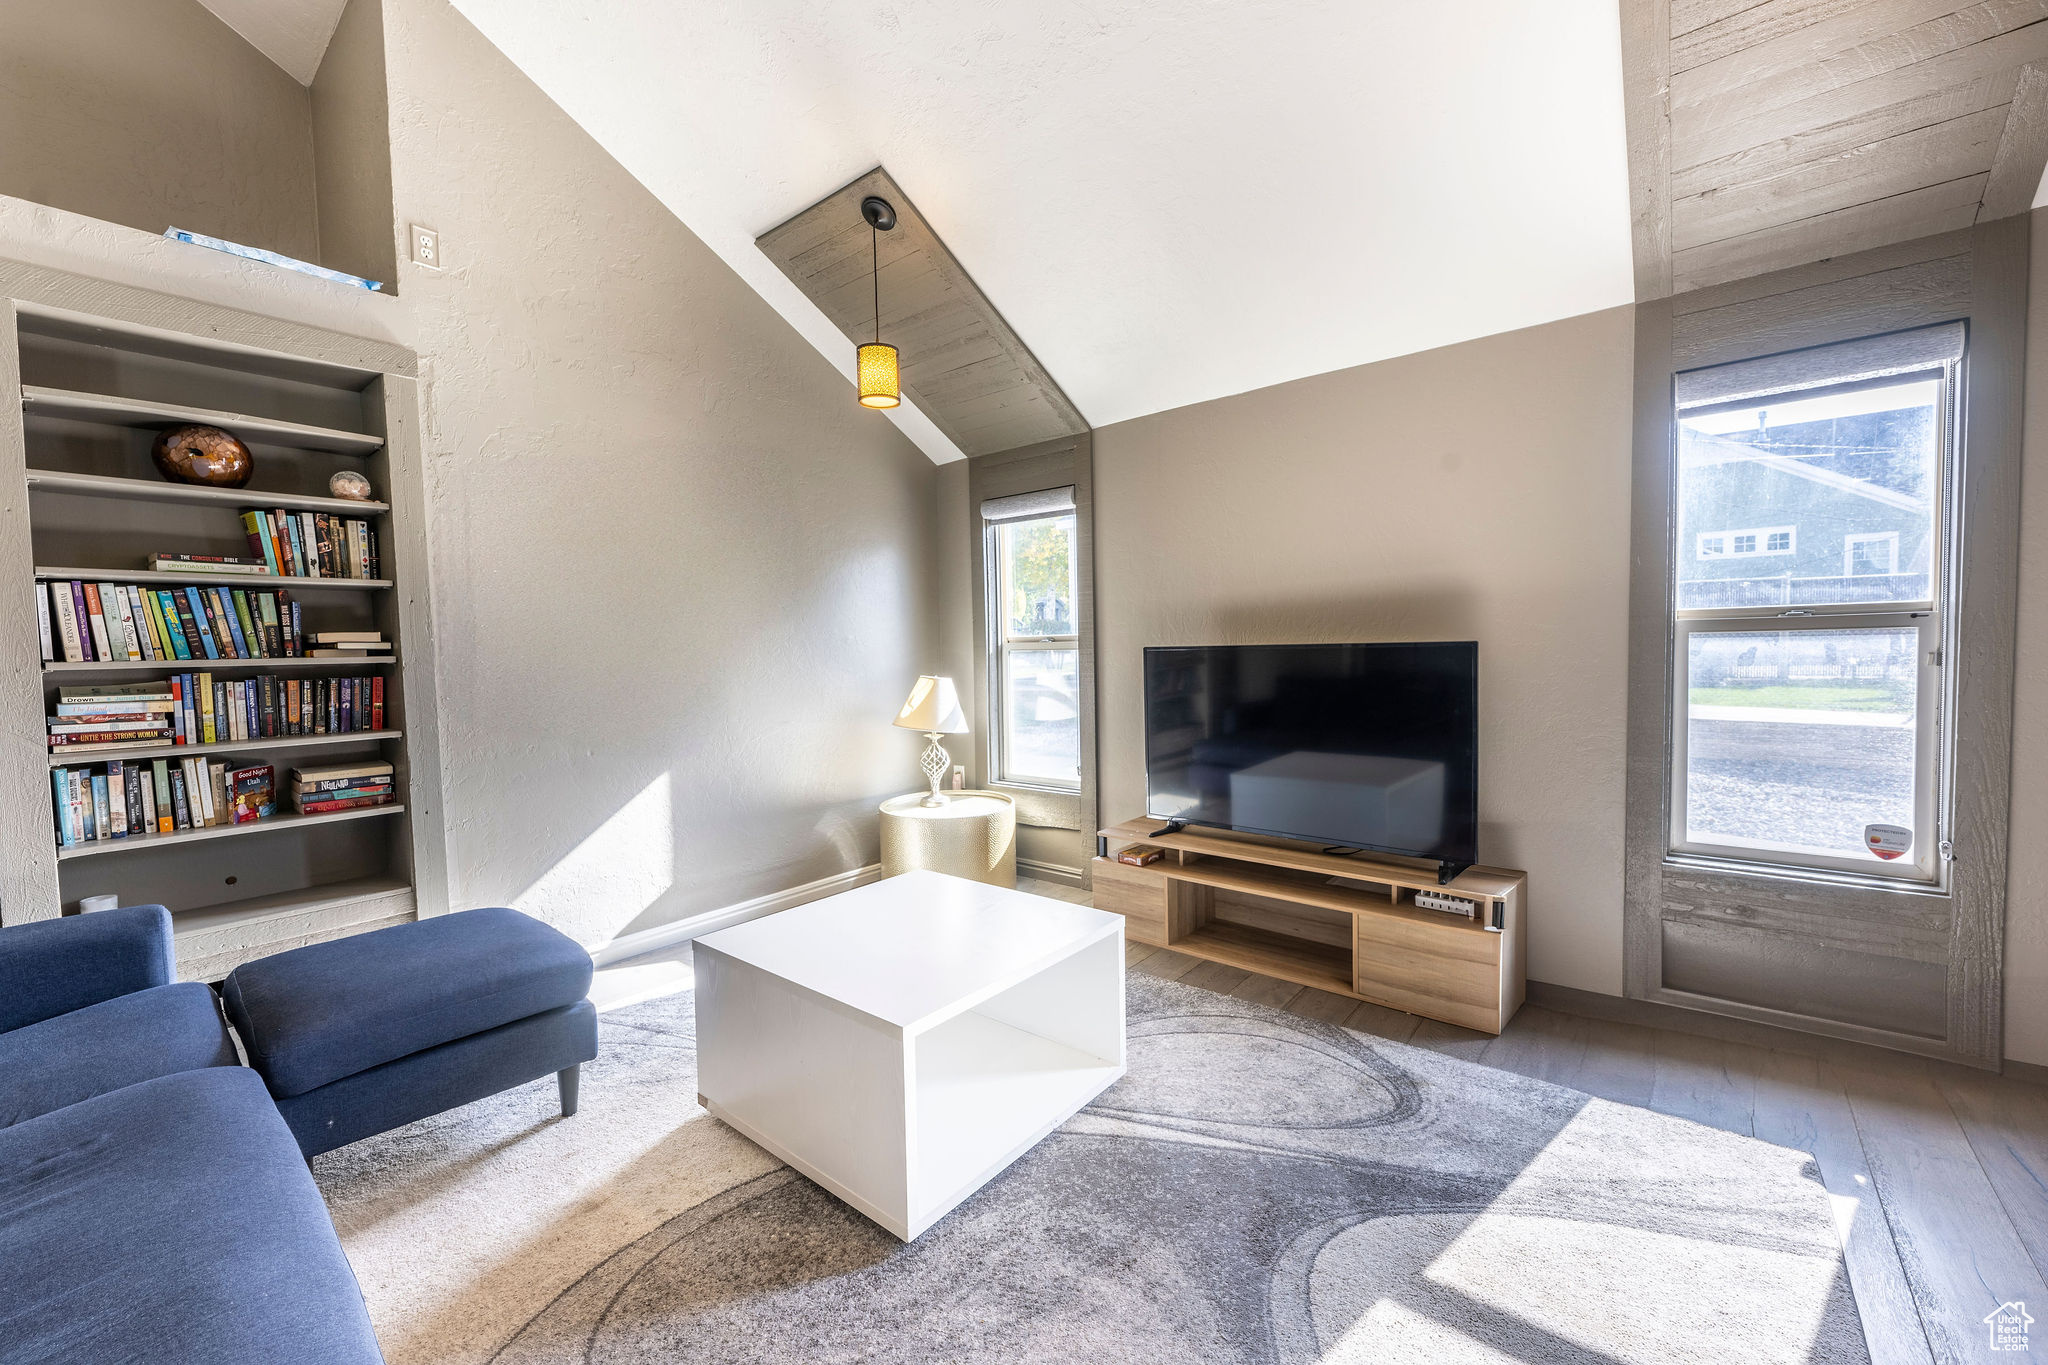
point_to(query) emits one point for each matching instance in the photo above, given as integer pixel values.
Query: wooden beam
(963, 365)
(2022, 148)
(1912, 161)
(1645, 75)
(1755, 115)
(1917, 213)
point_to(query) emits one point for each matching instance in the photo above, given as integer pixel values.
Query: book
(214, 564)
(67, 623)
(258, 533)
(96, 617)
(245, 618)
(377, 702)
(117, 800)
(114, 692)
(340, 772)
(116, 646)
(1141, 855)
(62, 725)
(353, 803)
(225, 632)
(87, 710)
(145, 629)
(166, 816)
(251, 793)
(346, 637)
(43, 624)
(84, 620)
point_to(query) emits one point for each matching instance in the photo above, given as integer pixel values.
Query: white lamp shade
(934, 708)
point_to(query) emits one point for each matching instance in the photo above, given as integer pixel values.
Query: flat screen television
(1368, 746)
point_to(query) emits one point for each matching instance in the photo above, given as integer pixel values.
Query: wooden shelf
(281, 821)
(147, 490)
(1476, 882)
(37, 401)
(1273, 954)
(73, 759)
(1273, 910)
(201, 919)
(210, 665)
(258, 582)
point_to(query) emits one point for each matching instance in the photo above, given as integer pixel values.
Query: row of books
(307, 545)
(197, 708)
(159, 796)
(123, 623)
(162, 796)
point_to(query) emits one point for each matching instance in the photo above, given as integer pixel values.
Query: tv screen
(1369, 746)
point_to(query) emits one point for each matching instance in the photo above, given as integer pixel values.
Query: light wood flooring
(1939, 1174)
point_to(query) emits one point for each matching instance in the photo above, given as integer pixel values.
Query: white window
(1809, 705)
(1034, 644)
(1870, 554)
(1747, 543)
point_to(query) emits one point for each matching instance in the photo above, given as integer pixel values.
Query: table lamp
(934, 709)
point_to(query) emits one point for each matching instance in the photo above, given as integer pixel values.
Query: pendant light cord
(875, 273)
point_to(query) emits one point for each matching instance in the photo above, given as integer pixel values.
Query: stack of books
(312, 544)
(130, 799)
(347, 644)
(137, 715)
(123, 623)
(210, 710)
(342, 787)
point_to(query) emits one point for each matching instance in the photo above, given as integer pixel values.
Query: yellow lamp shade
(878, 383)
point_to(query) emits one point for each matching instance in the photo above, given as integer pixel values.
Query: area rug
(1259, 1188)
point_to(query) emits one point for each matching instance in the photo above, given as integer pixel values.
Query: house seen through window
(1808, 624)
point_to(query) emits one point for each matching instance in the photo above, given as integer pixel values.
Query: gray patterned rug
(1259, 1188)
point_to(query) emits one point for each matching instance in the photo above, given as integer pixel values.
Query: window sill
(1812, 876)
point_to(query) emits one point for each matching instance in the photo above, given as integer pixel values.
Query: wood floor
(1939, 1175)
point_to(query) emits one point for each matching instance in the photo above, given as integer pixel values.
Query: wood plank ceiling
(1766, 135)
(961, 363)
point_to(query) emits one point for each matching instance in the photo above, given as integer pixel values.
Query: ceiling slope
(1169, 200)
(1769, 135)
(292, 33)
(961, 363)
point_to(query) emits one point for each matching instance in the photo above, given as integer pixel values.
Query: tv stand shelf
(1272, 908)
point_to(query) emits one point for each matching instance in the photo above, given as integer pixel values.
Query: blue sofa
(154, 1206)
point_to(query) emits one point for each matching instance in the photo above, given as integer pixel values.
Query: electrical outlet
(426, 247)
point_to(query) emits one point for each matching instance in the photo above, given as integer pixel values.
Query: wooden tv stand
(1269, 908)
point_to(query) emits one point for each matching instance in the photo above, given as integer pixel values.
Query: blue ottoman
(361, 1035)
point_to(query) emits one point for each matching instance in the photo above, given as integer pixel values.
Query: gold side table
(974, 835)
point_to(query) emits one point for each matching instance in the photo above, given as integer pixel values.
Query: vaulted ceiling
(1142, 204)
(1168, 200)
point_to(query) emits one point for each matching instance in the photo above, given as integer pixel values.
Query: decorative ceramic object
(202, 455)
(346, 483)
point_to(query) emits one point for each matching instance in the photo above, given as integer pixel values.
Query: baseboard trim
(683, 930)
(1728, 1029)
(1053, 872)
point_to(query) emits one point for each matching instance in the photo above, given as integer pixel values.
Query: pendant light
(879, 385)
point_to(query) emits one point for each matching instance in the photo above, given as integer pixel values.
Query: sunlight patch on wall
(613, 876)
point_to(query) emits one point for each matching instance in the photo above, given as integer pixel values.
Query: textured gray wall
(2026, 902)
(154, 113)
(683, 581)
(1477, 492)
(352, 148)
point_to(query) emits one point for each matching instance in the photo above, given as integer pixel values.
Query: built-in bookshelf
(89, 373)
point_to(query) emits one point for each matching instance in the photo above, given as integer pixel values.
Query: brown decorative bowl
(202, 455)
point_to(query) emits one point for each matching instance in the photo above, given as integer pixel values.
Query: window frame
(1926, 866)
(1002, 645)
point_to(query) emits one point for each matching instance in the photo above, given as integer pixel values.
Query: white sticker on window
(1887, 841)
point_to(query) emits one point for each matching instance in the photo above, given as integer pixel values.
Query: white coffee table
(901, 1044)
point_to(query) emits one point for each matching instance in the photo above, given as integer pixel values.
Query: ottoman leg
(566, 1082)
